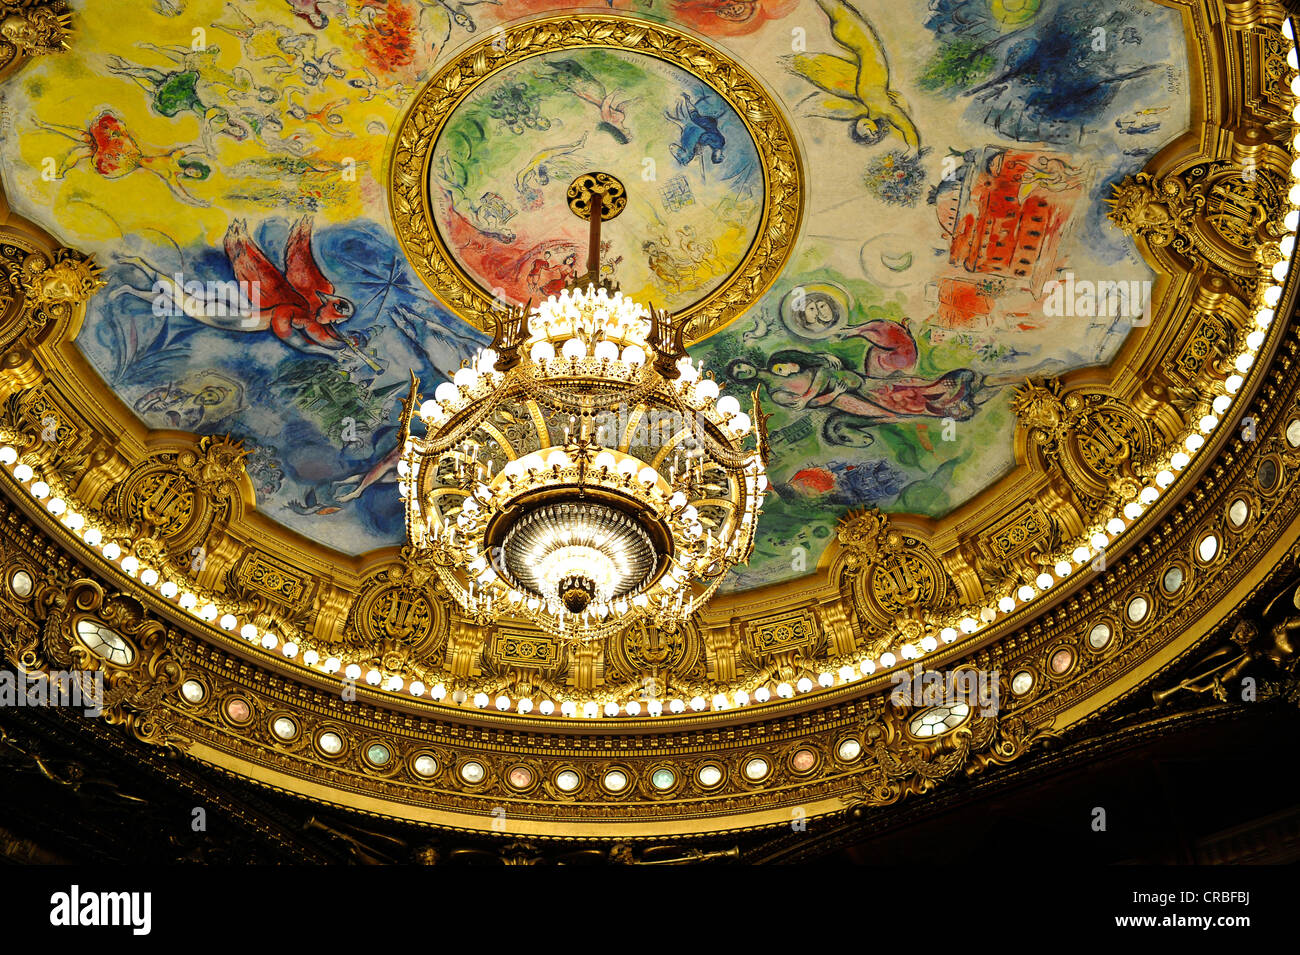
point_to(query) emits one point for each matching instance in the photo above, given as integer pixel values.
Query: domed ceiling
(1003, 276)
(953, 165)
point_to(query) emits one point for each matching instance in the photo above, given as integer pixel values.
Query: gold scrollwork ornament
(34, 28)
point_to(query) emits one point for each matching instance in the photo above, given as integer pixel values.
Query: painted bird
(298, 304)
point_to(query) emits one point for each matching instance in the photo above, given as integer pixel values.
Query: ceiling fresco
(499, 197)
(957, 155)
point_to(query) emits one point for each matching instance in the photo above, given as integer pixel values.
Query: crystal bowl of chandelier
(701, 504)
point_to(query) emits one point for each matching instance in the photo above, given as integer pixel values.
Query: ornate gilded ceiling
(1005, 279)
(886, 212)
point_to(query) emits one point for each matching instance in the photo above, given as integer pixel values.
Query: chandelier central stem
(593, 238)
(596, 197)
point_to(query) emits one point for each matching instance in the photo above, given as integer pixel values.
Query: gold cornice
(952, 541)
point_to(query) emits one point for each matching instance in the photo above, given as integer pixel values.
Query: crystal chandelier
(582, 473)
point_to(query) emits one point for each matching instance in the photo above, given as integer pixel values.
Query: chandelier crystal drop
(581, 473)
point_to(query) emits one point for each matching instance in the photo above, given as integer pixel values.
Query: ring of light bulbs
(46, 491)
(587, 353)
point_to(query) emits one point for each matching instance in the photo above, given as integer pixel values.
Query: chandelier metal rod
(593, 236)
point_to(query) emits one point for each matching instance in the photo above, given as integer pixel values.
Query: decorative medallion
(482, 225)
(398, 617)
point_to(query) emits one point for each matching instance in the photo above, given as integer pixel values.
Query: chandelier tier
(581, 473)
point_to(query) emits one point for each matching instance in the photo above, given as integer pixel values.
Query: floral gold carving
(895, 765)
(1100, 444)
(135, 693)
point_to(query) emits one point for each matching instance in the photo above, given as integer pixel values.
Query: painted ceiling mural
(226, 162)
(500, 198)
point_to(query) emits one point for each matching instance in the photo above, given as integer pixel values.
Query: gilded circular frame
(419, 129)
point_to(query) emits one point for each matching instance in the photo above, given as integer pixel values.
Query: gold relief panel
(903, 580)
(258, 573)
(897, 582)
(159, 498)
(1101, 444)
(38, 421)
(1022, 544)
(645, 648)
(184, 499)
(1027, 526)
(1264, 52)
(782, 634)
(537, 651)
(1207, 339)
